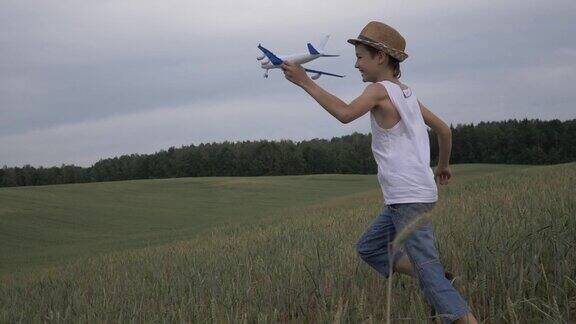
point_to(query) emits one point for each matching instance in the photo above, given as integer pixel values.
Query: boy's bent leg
(420, 248)
(372, 246)
(403, 265)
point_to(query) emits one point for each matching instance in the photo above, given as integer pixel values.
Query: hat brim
(355, 41)
(400, 56)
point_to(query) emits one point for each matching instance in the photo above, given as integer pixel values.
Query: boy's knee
(363, 249)
(359, 246)
(366, 251)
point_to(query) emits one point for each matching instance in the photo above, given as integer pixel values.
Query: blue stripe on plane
(312, 50)
(320, 72)
(273, 58)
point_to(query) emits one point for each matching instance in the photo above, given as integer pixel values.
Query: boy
(402, 152)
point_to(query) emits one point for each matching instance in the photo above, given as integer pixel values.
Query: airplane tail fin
(323, 43)
(312, 50)
(320, 49)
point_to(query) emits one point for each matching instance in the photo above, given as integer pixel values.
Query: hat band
(362, 37)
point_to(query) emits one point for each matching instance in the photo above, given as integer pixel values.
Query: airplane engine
(315, 76)
(261, 57)
(264, 62)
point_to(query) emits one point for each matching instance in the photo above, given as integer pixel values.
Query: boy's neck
(387, 75)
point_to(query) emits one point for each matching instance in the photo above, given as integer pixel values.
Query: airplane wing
(320, 72)
(273, 58)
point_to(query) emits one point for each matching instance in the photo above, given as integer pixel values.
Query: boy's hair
(393, 63)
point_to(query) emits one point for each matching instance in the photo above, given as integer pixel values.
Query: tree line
(509, 142)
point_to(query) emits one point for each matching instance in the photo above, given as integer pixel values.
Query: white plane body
(271, 61)
(293, 58)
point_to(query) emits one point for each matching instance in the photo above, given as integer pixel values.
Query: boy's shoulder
(379, 86)
(377, 90)
(380, 92)
(398, 83)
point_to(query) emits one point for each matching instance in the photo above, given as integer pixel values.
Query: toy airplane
(273, 62)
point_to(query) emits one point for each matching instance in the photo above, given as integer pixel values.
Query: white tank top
(403, 152)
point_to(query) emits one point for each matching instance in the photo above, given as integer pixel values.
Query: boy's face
(368, 66)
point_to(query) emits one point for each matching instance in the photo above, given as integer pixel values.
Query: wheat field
(509, 233)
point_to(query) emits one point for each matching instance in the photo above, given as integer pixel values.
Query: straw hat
(382, 37)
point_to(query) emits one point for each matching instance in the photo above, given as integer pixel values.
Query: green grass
(49, 225)
(280, 248)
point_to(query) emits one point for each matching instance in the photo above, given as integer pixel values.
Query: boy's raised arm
(342, 111)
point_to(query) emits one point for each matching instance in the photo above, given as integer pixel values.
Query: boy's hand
(442, 175)
(295, 73)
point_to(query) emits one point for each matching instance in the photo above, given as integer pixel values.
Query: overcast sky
(86, 80)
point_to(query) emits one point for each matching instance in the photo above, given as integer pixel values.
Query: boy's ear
(382, 57)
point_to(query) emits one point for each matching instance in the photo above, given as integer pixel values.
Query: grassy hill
(279, 248)
(48, 225)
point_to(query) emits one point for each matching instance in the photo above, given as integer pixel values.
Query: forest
(527, 141)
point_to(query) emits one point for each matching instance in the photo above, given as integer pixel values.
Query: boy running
(402, 152)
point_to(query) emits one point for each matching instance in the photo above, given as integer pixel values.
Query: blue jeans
(373, 248)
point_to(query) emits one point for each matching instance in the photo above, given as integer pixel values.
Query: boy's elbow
(445, 132)
(344, 118)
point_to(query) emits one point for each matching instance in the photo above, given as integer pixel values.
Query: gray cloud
(86, 142)
(83, 81)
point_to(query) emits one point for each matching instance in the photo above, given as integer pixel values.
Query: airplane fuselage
(269, 60)
(295, 58)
